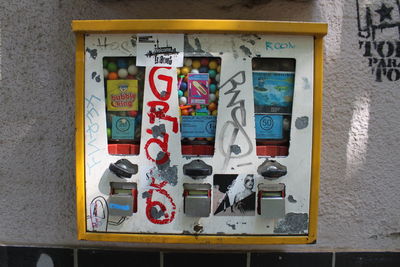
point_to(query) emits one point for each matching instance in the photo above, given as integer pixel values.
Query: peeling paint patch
(301, 122)
(246, 50)
(294, 223)
(233, 226)
(166, 172)
(92, 52)
(235, 149)
(291, 199)
(156, 214)
(146, 194)
(158, 130)
(306, 83)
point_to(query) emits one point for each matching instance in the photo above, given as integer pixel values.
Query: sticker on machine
(234, 195)
(161, 50)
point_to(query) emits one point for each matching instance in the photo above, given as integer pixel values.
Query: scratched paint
(293, 223)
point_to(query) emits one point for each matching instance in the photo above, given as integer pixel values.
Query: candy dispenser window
(123, 85)
(273, 87)
(198, 82)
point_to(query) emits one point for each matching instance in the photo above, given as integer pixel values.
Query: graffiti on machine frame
(376, 21)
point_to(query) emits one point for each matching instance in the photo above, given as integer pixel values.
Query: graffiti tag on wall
(378, 28)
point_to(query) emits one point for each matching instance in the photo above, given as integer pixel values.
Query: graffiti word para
(383, 58)
(278, 45)
(159, 110)
(238, 106)
(92, 130)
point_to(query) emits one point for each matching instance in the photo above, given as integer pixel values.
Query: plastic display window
(273, 87)
(123, 86)
(198, 93)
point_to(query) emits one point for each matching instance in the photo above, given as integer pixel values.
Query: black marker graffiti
(96, 77)
(92, 52)
(383, 55)
(238, 106)
(125, 46)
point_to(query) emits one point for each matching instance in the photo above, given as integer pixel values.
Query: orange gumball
(212, 106)
(184, 112)
(113, 76)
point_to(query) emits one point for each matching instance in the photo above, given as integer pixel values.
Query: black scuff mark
(191, 51)
(291, 199)
(92, 52)
(155, 213)
(233, 226)
(257, 37)
(133, 41)
(96, 77)
(246, 50)
(293, 223)
(301, 122)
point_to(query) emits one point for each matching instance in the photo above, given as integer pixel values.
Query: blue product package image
(273, 91)
(198, 126)
(269, 126)
(123, 127)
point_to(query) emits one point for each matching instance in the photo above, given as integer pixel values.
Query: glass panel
(123, 83)
(198, 93)
(273, 85)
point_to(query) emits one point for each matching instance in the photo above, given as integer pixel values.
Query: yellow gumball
(196, 64)
(185, 70)
(213, 65)
(219, 68)
(186, 93)
(178, 71)
(217, 94)
(214, 113)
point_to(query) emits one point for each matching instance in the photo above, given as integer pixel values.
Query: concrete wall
(359, 203)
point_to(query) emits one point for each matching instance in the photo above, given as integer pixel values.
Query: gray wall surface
(359, 199)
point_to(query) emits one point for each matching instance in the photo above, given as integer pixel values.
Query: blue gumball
(183, 86)
(213, 88)
(203, 70)
(122, 63)
(180, 93)
(212, 73)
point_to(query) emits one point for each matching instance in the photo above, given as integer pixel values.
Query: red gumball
(132, 113)
(204, 61)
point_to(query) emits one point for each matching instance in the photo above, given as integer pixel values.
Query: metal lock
(123, 199)
(197, 200)
(271, 201)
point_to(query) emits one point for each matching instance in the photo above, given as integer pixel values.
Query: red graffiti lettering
(161, 77)
(161, 113)
(151, 205)
(163, 144)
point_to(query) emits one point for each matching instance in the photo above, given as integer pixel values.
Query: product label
(269, 126)
(198, 88)
(122, 95)
(198, 126)
(123, 127)
(273, 91)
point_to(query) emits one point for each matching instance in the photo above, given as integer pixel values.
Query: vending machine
(198, 131)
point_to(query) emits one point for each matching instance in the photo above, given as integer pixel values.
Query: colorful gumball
(132, 70)
(122, 73)
(183, 86)
(214, 113)
(105, 73)
(203, 70)
(213, 88)
(132, 113)
(217, 78)
(212, 73)
(108, 133)
(210, 139)
(112, 76)
(185, 112)
(180, 93)
(122, 63)
(186, 93)
(193, 113)
(185, 70)
(217, 93)
(219, 68)
(188, 62)
(213, 65)
(112, 67)
(212, 97)
(194, 71)
(196, 64)
(178, 71)
(183, 100)
(105, 63)
(212, 106)
(204, 61)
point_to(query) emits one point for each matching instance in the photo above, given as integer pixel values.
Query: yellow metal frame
(318, 30)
